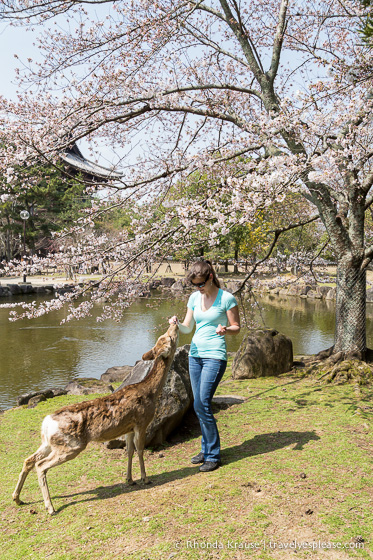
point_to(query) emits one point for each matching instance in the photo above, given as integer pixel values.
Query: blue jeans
(205, 375)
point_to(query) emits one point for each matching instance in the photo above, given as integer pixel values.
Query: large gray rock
(274, 291)
(264, 352)
(174, 401)
(296, 290)
(116, 373)
(138, 373)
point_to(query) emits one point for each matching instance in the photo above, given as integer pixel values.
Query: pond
(40, 354)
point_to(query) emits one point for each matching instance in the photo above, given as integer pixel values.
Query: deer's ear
(148, 355)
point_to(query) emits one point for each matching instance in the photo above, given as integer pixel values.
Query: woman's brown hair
(203, 269)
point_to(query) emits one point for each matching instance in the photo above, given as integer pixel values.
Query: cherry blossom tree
(367, 24)
(261, 97)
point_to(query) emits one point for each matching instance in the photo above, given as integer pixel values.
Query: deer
(127, 412)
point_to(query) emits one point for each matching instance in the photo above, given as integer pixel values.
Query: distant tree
(54, 202)
(366, 28)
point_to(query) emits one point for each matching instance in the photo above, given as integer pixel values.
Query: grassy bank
(297, 469)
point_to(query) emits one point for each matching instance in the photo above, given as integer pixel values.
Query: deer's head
(165, 346)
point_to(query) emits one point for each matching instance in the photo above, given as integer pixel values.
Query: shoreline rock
(179, 287)
(34, 397)
(88, 386)
(10, 290)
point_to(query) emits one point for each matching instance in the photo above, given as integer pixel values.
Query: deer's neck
(158, 375)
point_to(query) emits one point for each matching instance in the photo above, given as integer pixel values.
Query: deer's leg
(56, 457)
(28, 465)
(140, 444)
(130, 450)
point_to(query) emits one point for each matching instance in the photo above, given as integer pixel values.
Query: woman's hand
(221, 330)
(173, 320)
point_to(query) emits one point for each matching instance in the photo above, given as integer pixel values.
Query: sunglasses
(199, 285)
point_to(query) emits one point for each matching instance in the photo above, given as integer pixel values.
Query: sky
(19, 40)
(13, 40)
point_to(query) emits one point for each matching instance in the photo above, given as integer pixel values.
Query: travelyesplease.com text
(267, 544)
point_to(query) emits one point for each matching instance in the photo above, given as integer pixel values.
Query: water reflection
(309, 323)
(40, 354)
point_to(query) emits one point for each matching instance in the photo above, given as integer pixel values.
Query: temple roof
(73, 157)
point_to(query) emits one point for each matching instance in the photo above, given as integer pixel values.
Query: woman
(215, 314)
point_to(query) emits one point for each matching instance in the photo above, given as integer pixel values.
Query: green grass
(297, 465)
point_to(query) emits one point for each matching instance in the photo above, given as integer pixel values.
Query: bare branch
(253, 60)
(278, 41)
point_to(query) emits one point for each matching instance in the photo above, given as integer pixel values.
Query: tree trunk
(350, 328)
(235, 269)
(7, 241)
(8, 251)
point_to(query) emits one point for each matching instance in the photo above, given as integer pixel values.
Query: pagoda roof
(74, 157)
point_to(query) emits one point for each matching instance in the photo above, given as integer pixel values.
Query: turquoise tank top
(206, 343)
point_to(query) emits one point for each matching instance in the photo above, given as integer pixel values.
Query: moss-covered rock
(348, 371)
